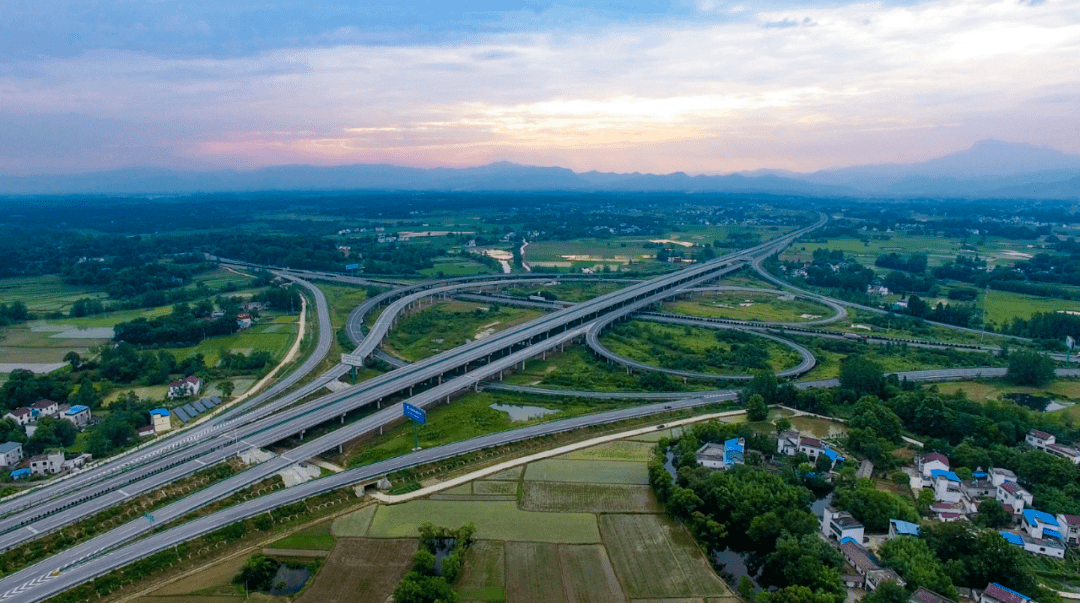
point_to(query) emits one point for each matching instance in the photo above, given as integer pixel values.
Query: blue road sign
(415, 413)
(352, 267)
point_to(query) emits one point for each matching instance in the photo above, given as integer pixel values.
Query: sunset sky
(703, 86)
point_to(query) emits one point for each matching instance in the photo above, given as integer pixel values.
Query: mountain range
(989, 169)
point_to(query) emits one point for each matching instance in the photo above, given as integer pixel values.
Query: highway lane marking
(126, 495)
(199, 462)
(32, 530)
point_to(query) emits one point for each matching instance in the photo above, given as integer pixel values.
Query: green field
(315, 538)
(578, 368)
(448, 324)
(588, 472)
(655, 558)
(562, 497)
(455, 266)
(43, 294)
(744, 305)
(483, 577)
(686, 348)
(571, 291)
(939, 250)
(277, 343)
(354, 524)
(494, 521)
(1002, 306)
(619, 450)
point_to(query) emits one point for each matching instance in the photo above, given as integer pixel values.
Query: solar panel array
(188, 412)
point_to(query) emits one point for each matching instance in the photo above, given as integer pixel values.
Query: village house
(76, 463)
(996, 593)
(926, 463)
(243, 320)
(79, 415)
(979, 486)
(866, 565)
(1000, 476)
(22, 415)
(46, 408)
(1070, 528)
(161, 420)
(1041, 525)
(841, 525)
(1039, 439)
(947, 487)
(11, 454)
(922, 595)
(1036, 546)
(790, 443)
(188, 386)
(722, 456)
(899, 527)
(1047, 442)
(1012, 494)
(949, 511)
(49, 463)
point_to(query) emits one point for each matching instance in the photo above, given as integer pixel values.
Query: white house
(923, 595)
(1041, 525)
(76, 463)
(22, 415)
(188, 386)
(947, 486)
(1064, 451)
(1039, 439)
(46, 407)
(161, 420)
(1000, 476)
(996, 593)
(979, 486)
(899, 527)
(47, 464)
(929, 462)
(722, 456)
(11, 454)
(839, 525)
(1010, 493)
(1070, 527)
(78, 414)
(788, 443)
(812, 447)
(949, 511)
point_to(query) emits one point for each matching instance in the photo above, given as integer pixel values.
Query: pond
(1036, 403)
(443, 548)
(731, 565)
(819, 428)
(289, 580)
(523, 413)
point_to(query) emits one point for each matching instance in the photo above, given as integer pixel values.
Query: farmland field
(588, 576)
(483, 577)
(448, 324)
(354, 524)
(494, 521)
(212, 584)
(315, 538)
(744, 305)
(512, 474)
(589, 472)
(619, 450)
(533, 573)
(656, 558)
(1003, 306)
(495, 488)
(43, 294)
(361, 570)
(588, 498)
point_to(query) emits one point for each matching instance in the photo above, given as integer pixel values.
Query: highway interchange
(280, 413)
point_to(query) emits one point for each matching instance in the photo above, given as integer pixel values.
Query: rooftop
(78, 408)
(941, 473)
(905, 527)
(160, 412)
(1042, 435)
(813, 442)
(935, 456)
(1012, 538)
(7, 447)
(1034, 518)
(928, 596)
(1005, 595)
(43, 404)
(1012, 487)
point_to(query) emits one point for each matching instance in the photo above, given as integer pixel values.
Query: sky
(701, 86)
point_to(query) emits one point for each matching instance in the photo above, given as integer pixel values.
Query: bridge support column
(340, 448)
(342, 418)
(378, 405)
(410, 390)
(302, 433)
(500, 375)
(380, 429)
(440, 379)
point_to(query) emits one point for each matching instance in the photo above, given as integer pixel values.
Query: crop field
(656, 558)
(446, 325)
(588, 498)
(455, 266)
(619, 450)
(687, 348)
(982, 391)
(354, 524)
(588, 576)
(744, 305)
(578, 368)
(512, 474)
(43, 294)
(939, 250)
(212, 585)
(361, 570)
(495, 488)
(276, 343)
(572, 291)
(315, 538)
(40, 342)
(533, 573)
(1002, 306)
(494, 521)
(483, 577)
(588, 472)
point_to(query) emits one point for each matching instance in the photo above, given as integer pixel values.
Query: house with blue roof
(20, 474)
(77, 414)
(161, 419)
(1041, 525)
(722, 456)
(996, 593)
(947, 486)
(1048, 547)
(898, 527)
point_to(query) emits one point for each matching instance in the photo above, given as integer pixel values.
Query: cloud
(774, 88)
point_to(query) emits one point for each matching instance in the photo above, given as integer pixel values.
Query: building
(79, 415)
(929, 462)
(188, 386)
(11, 454)
(996, 593)
(947, 486)
(899, 527)
(1066, 452)
(948, 511)
(1010, 493)
(1041, 525)
(76, 463)
(1036, 546)
(923, 595)
(20, 474)
(841, 525)
(161, 420)
(46, 408)
(866, 565)
(787, 443)
(147, 431)
(722, 456)
(791, 443)
(49, 463)
(1039, 439)
(1070, 528)
(22, 415)
(243, 320)
(875, 578)
(979, 486)
(1000, 476)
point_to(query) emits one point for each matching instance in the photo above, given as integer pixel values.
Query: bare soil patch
(361, 570)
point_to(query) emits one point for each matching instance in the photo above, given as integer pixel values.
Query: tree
(756, 409)
(992, 514)
(1032, 368)
(874, 508)
(887, 592)
(862, 376)
(763, 384)
(73, 359)
(257, 573)
(782, 425)
(917, 564)
(226, 388)
(87, 395)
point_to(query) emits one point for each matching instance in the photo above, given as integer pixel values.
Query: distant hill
(990, 169)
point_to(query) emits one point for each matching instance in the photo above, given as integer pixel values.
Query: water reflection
(523, 413)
